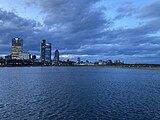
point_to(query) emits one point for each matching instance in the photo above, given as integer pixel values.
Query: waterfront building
(45, 51)
(101, 62)
(17, 47)
(8, 57)
(34, 57)
(24, 56)
(2, 61)
(118, 62)
(109, 62)
(56, 57)
(78, 60)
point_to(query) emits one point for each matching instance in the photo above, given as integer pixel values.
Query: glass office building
(56, 57)
(45, 51)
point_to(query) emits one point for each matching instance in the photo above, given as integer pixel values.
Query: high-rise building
(78, 60)
(45, 51)
(17, 47)
(56, 57)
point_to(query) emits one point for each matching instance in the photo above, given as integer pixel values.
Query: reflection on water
(44, 93)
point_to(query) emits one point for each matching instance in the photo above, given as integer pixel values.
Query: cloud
(81, 28)
(71, 15)
(14, 26)
(125, 10)
(151, 10)
(73, 23)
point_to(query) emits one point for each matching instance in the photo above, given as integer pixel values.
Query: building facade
(8, 57)
(17, 47)
(78, 60)
(45, 51)
(24, 56)
(56, 57)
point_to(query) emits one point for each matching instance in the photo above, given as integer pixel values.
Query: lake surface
(79, 93)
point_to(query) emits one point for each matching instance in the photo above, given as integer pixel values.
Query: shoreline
(149, 67)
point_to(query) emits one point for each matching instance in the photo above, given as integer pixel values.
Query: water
(79, 93)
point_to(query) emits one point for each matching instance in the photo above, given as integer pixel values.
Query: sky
(128, 30)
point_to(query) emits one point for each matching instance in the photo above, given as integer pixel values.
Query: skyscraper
(56, 57)
(17, 47)
(45, 51)
(78, 60)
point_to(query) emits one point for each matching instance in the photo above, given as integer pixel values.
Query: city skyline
(19, 57)
(46, 56)
(91, 30)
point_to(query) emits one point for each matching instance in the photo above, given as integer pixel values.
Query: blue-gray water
(79, 93)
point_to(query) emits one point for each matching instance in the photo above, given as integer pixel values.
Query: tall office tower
(56, 57)
(78, 60)
(17, 47)
(45, 51)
